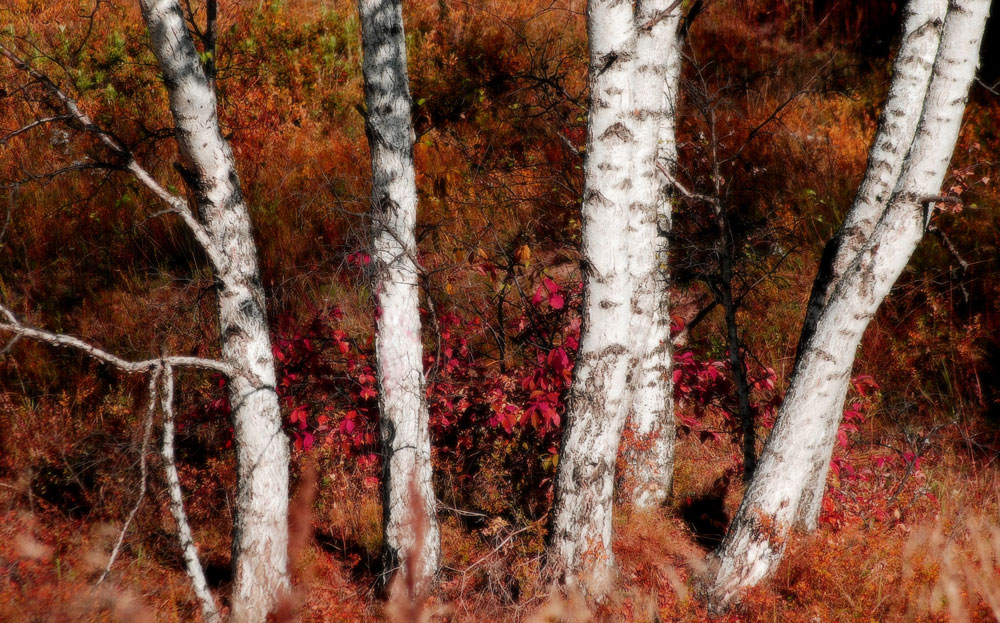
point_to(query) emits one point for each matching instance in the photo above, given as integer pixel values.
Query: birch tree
(260, 533)
(624, 313)
(221, 226)
(756, 539)
(411, 535)
(896, 128)
(657, 82)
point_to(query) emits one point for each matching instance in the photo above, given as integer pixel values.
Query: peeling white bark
(624, 361)
(260, 535)
(398, 346)
(896, 128)
(656, 83)
(760, 529)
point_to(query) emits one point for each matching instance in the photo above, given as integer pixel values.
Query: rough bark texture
(896, 128)
(398, 347)
(580, 533)
(623, 364)
(260, 535)
(757, 536)
(737, 359)
(657, 77)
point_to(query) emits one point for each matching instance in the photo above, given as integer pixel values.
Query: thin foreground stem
(146, 434)
(194, 569)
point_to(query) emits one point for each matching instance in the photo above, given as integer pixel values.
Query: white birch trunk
(580, 534)
(757, 536)
(896, 128)
(656, 82)
(260, 535)
(411, 535)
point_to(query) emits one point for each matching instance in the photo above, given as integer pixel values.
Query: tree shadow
(705, 514)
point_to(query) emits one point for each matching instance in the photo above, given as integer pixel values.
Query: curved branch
(67, 341)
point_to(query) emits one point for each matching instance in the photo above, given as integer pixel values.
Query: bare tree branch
(950, 199)
(656, 19)
(67, 341)
(681, 339)
(47, 177)
(175, 204)
(209, 610)
(33, 124)
(992, 88)
(683, 190)
(949, 246)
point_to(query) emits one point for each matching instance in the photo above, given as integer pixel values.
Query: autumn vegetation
(910, 523)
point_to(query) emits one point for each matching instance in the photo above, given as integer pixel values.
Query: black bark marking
(618, 131)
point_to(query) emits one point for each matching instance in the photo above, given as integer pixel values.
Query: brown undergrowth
(931, 557)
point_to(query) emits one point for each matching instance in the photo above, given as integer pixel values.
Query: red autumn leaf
(537, 298)
(298, 414)
(558, 359)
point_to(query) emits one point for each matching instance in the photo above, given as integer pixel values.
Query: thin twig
(681, 339)
(496, 549)
(460, 511)
(683, 190)
(154, 379)
(33, 124)
(949, 246)
(955, 255)
(660, 16)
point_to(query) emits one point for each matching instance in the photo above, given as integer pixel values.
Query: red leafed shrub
(327, 383)
(706, 396)
(328, 391)
(506, 414)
